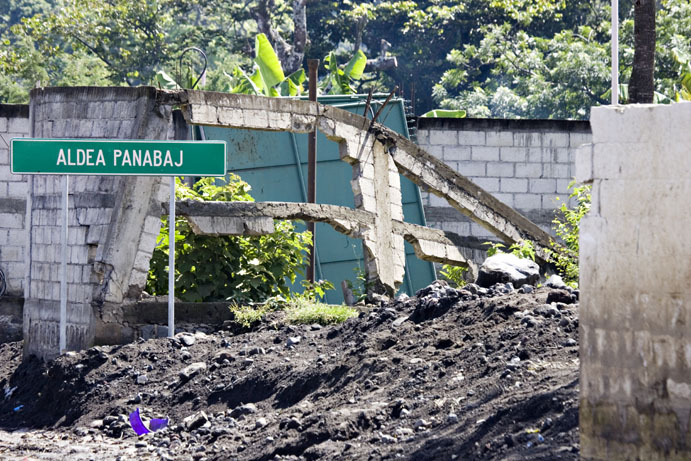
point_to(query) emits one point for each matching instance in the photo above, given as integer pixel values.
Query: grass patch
(308, 311)
(300, 310)
(247, 316)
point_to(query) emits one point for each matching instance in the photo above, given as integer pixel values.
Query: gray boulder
(506, 267)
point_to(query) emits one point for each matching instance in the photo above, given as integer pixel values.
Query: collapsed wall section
(635, 257)
(526, 164)
(113, 220)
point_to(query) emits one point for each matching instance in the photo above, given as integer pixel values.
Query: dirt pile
(447, 374)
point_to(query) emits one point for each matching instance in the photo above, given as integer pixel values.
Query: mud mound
(447, 374)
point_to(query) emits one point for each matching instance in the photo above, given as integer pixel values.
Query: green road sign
(118, 157)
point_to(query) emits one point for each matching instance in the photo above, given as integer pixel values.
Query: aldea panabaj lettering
(118, 157)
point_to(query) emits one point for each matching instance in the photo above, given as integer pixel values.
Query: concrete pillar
(636, 285)
(113, 220)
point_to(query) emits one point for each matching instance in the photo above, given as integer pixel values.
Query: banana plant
(267, 77)
(339, 80)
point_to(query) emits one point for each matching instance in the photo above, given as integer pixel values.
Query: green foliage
(267, 77)
(454, 274)
(561, 70)
(299, 308)
(524, 249)
(242, 269)
(567, 227)
(339, 80)
(305, 311)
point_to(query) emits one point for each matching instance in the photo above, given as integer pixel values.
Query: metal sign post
(615, 52)
(171, 260)
(63, 263)
(119, 157)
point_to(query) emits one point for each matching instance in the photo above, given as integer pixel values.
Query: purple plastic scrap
(141, 429)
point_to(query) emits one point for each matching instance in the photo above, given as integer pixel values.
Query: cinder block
(505, 198)
(471, 138)
(537, 155)
(18, 125)
(514, 185)
(578, 139)
(527, 201)
(501, 169)
(3, 189)
(541, 186)
(584, 163)
(550, 201)
(435, 151)
(555, 139)
(16, 237)
(556, 170)
(12, 220)
(3, 124)
(11, 253)
(443, 137)
(438, 201)
(472, 169)
(527, 139)
(488, 184)
(499, 138)
(528, 170)
(17, 189)
(456, 153)
(487, 154)
(514, 154)
(5, 159)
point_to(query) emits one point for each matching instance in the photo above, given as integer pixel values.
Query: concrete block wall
(635, 285)
(113, 220)
(14, 123)
(526, 164)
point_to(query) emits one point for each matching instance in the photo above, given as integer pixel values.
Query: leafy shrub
(242, 269)
(454, 274)
(523, 249)
(567, 226)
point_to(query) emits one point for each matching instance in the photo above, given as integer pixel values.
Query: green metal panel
(268, 161)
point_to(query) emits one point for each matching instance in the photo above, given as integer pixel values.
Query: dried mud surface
(447, 374)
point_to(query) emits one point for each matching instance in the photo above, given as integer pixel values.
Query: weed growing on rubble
(523, 249)
(455, 275)
(566, 227)
(300, 308)
(242, 269)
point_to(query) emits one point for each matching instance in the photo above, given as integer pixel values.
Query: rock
(142, 379)
(293, 340)
(386, 438)
(222, 355)
(527, 289)
(561, 296)
(420, 424)
(529, 321)
(260, 422)
(196, 421)
(506, 267)
(570, 342)
(555, 281)
(187, 340)
(194, 369)
(398, 322)
(452, 418)
(246, 409)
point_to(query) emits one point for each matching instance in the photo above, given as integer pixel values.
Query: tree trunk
(291, 56)
(641, 85)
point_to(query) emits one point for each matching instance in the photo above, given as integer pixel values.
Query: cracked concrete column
(113, 220)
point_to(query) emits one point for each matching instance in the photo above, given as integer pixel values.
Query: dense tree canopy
(493, 58)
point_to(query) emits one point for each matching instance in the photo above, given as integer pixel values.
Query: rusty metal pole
(313, 66)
